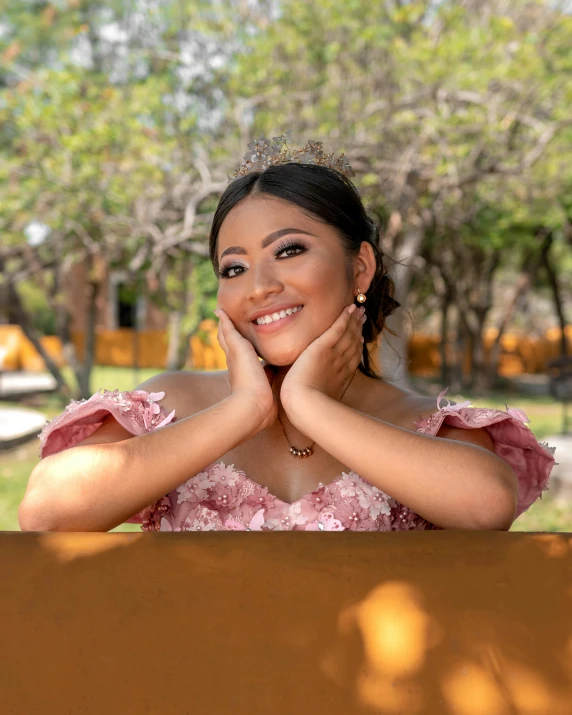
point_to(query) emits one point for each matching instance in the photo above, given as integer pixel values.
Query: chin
(280, 358)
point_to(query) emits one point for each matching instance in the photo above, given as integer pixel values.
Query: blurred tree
(119, 122)
(449, 112)
(122, 194)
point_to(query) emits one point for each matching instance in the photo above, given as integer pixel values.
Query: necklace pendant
(301, 453)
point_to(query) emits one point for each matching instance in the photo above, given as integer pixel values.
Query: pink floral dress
(222, 498)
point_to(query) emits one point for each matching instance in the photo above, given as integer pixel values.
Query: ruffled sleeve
(532, 461)
(137, 411)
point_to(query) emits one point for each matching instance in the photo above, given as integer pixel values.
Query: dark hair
(328, 196)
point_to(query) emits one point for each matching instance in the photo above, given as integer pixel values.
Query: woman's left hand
(329, 363)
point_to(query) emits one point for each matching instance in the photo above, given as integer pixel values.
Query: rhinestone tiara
(263, 153)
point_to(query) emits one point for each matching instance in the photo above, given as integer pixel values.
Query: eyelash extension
(288, 245)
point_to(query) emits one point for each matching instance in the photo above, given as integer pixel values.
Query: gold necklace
(307, 451)
(299, 453)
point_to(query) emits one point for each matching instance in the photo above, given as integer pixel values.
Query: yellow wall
(116, 347)
(520, 354)
(112, 347)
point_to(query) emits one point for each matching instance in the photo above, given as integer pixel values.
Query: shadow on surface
(462, 623)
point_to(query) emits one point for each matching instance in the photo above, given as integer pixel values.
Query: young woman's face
(274, 258)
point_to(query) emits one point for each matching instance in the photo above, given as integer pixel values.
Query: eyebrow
(265, 241)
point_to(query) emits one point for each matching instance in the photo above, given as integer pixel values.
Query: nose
(264, 282)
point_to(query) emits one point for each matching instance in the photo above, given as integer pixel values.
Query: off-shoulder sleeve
(531, 460)
(137, 411)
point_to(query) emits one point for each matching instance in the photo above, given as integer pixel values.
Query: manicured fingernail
(352, 308)
(216, 313)
(361, 310)
(363, 318)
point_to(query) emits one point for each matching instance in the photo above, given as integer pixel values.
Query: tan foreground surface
(460, 623)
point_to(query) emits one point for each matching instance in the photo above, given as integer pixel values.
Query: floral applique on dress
(221, 498)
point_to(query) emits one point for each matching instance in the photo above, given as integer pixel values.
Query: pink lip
(278, 324)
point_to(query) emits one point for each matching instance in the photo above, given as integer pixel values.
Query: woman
(309, 439)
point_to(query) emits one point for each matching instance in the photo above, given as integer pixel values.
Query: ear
(364, 266)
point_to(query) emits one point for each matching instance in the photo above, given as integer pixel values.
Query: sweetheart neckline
(304, 496)
(321, 485)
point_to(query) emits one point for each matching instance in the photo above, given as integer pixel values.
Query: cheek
(229, 298)
(327, 274)
(327, 294)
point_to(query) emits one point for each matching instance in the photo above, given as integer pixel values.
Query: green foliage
(69, 159)
(456, 118)
(38, 307)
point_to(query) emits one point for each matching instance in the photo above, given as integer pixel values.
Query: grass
(545, 515)
(117, 378)
(17, 464)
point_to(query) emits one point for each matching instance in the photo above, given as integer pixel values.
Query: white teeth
(277, 316)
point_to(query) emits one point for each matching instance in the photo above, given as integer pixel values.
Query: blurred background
(120, 123)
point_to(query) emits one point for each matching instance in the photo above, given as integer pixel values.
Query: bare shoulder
(188, 391)
(397, 405)
(416, 407)
(426, 406)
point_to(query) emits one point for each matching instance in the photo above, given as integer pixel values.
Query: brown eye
(290, 246)
(225, 272)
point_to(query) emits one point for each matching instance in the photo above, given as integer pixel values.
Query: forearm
(451, 484)
(97, 487)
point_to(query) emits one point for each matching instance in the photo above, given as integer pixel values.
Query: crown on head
(263, 153)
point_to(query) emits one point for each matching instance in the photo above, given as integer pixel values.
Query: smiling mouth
(279, 322)
(277, 317)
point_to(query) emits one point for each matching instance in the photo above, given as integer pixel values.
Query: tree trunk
(445, 291)
(83, 371)
(179, 333)
(135, 336)
(174, 321)
(556, 296)
(474, 300)
(184, 345)
(522, 285)
(473, 322)
(458, 370)
(524, 282)
(446, 301)
(33, 336)
(479, 382)
(393, 351)
(63, 320)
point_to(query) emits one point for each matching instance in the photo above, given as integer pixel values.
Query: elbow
(36, 511)
(499, 511)
(37, 515)
(31, 512)
(34, 516)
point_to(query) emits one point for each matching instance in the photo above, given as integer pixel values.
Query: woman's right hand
(249, 378)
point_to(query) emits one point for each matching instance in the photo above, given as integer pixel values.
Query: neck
(351, 395)
(355, 396)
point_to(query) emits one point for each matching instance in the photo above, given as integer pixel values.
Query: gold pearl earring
(360, 297)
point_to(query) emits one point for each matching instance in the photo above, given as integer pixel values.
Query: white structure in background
(18, 424)
(560, 486)
(36, 233)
